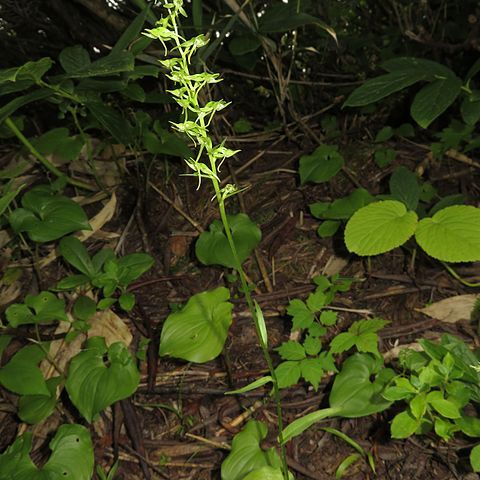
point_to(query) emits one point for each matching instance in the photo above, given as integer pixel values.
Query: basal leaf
(71, 458)
(379, 227)
(452, 234)
(93, 386)
(321, 165)
(433, 99)
(197, 332)
(212, 247)
(246, 455)
(21, 374)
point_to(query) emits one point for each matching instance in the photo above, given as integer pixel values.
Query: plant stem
(251, 307)
(44, 161)
(455, 275)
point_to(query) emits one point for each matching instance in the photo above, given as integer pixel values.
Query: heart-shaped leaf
(93, 386)
(46, 217)
(323, 164)
(21, 374)
(212, 247)
(198, 331)
(47, 307)
(34, 408)
(246, 455)
(379, 227)
(71, 458)
(452, 234)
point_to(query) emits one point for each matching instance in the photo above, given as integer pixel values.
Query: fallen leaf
(452, 309)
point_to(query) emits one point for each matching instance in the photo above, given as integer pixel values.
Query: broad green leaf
(404, 425)
(316, 300)
(386, 133)
(321, 165)
(344, 208)
(469, 425)
(328, 228)
(267, 473)
(197, 332)
(8, 198)
(74, 252)
(383, 86)
(113, 63)
(470, 108)
(430, 69)
(418, 405)
(291, 350)
(252, 386)
(452, 234)
(405, 188)
(312, 371)
(328, 318)
(34, 70)
(72, 457)
(47, 217)
(433, 99)
(74, 59)
(312, 345)
(242, 44)
(166, 143)
(93, 386)
(21, 374)
(379, 228)
(212, 247)
(72, 281)
(342, 342)
(246, 455)
(384, 156)
(288, 373)
(47, 307)
(444, 428)
(110, 119)
(282, 17)
(475, 458)
(127, 301)
(58, 142)
(133, 266)
(84, 307)
(132, 32)
(443, 406)
(35, 408)
(302, 315)
(13, 105)
(401, 390)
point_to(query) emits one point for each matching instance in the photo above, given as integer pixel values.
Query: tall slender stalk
(196, 120)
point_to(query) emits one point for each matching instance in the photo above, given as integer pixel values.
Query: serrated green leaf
(379, 227)
(197, 332)
(312, 371)
(312, 345)
(320, 166)
(433, 99)
(288, 373)
(316, 300)
(291, 350)
(342, 342)
(212, 247)
(452, 234)
(93, 386)
(302, 315)
(328, 318)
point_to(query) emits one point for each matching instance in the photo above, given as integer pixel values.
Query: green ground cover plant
(434, 390)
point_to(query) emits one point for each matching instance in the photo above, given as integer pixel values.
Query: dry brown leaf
(105, 324)
(452, 309)
(334, 265)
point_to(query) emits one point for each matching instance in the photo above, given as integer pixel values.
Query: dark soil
(177, 423)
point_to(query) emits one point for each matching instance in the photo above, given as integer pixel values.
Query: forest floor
(179, 423)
